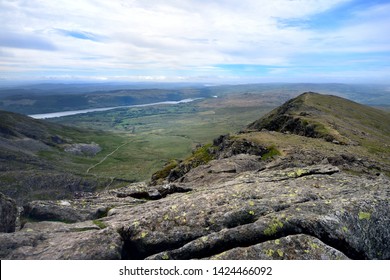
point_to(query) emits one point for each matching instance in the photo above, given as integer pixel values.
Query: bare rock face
(57, 211)
(61, 241)
(293, 247)
(8, 213)
(347, 213)
(82, 149)
(313, 212)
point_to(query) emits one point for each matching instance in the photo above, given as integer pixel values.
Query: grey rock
(150, 192)
(87, 207)
(223, 169)
(345, 212)
(8, 214)
(293, 247)
(9, 243)
(82, 149)
(57, 211)
(223, 147)
(314, 211)
(86, 245)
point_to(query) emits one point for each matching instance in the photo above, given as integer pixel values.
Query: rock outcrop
(315, 212)
(8, 214)
(54, 240)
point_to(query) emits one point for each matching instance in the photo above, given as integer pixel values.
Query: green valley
(50, 159)
(155, 135)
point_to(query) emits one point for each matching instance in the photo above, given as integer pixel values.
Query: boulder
(8, 214)
(345, 212)
(293, 247)
(58, 211)
(65, 243)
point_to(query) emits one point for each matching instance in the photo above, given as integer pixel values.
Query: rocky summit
(310, 180)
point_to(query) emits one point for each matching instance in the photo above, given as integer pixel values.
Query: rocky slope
(255, 195)
(37, 159)
(329, 117)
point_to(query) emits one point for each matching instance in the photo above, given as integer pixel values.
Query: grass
(364, 215)
(100, 224)
(286, 143)
(272, 152)
(273, 227)
(164, 172)
(202, 155)
(141, 158)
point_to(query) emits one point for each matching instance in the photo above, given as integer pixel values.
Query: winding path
(107, 156)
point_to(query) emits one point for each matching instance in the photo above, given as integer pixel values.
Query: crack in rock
(156, 193)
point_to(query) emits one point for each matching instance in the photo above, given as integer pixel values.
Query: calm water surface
(76, 112)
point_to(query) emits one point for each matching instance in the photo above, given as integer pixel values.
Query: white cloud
(366, 32)
(173, 34)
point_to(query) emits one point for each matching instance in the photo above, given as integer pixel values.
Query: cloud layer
(221, 40)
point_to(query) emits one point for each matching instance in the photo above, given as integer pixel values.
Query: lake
(76, 112)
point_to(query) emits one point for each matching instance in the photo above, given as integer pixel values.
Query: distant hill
(38, 100)
(330, 117)
(52, 97)
(311, 120)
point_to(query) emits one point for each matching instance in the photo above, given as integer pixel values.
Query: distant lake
(76, 112)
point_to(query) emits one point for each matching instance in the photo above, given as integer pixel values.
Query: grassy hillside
(329, 124)
(309, 129)
(40, 160)
(332, 118)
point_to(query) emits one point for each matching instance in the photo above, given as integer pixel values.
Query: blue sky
(221, 41)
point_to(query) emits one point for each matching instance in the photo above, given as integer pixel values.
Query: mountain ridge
(303, 127)
(318, 116)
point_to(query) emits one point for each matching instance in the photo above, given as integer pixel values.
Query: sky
(209, 41)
